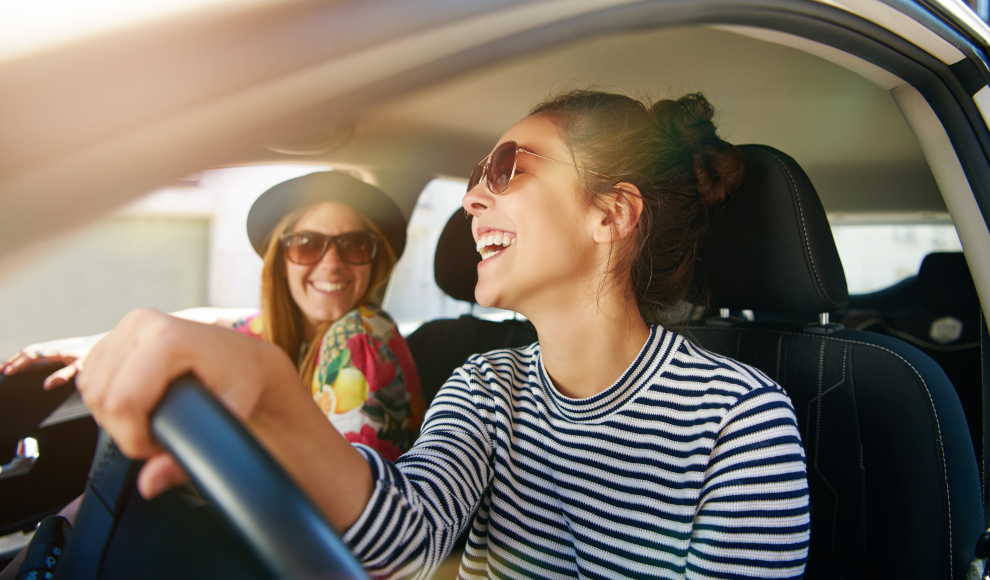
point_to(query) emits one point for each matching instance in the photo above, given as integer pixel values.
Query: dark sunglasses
(307, 248)
(500, 167)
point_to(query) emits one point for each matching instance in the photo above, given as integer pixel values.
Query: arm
(432, 491)
(753, 520)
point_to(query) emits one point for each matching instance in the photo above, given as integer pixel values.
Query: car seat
(895, 491)
(944, 324)
(440, 346)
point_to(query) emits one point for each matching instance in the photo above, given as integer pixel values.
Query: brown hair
(671, 152)
(281, 319)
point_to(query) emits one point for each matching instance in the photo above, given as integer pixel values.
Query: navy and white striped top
(690, 465)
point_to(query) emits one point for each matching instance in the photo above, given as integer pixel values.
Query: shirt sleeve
(251, 326)
(362, 386)
(753, 520)
(422, 503)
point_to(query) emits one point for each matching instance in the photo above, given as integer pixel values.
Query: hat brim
(336, 186)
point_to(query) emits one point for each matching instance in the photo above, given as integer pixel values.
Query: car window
(413, 296)
(877, 252)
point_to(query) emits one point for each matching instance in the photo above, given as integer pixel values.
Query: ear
(623, 205)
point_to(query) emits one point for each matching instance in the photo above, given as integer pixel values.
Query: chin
(485, 297)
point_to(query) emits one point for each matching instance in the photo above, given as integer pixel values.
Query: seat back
(944, 324)
(895, 491)
(440, 346)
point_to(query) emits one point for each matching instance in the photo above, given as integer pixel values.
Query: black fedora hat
(335, 186)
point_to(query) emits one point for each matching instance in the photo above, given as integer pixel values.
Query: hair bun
(719, 167)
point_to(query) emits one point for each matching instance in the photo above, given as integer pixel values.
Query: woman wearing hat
(329, 242)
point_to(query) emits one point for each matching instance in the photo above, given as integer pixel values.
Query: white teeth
(497, 239)
(327, 286)
(486, 255)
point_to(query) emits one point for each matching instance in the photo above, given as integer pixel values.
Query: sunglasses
(305, 248)
(500, 167)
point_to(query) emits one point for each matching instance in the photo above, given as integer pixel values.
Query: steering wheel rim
(229, 468)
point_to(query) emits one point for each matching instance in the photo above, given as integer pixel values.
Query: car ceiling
(89, 126)
(844, 130)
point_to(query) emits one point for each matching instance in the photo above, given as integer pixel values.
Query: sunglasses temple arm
(567, 164)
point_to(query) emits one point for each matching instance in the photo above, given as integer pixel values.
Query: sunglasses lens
(502, 163)
(356, 247)
(304, 248)
(479, 170)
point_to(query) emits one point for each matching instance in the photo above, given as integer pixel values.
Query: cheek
(362, 277)
(296, 277)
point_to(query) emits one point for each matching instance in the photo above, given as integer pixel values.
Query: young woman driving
(613, 447)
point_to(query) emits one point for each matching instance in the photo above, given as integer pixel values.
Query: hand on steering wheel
(229, 468)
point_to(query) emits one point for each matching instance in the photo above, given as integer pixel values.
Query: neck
(588, 344)
(309, 330)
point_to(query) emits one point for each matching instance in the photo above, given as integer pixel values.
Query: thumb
(160, 473)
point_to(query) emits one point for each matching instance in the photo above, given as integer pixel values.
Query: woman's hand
(126, 375)
(69, 351)
(127, 372)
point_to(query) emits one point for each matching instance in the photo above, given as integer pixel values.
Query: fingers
(125, 376)
(62, 376)
(159, 474)
(19, 361)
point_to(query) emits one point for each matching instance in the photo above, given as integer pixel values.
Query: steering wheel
(230, 469)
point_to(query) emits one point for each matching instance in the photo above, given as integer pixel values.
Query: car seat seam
(931, 402)
(818, 439)
(804, 232)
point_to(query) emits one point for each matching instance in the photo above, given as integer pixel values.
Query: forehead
(330, 218)
(538, 134)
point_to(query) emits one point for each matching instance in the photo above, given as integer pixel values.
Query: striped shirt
(690, 465)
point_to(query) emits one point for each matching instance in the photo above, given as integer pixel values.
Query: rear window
(878, 253)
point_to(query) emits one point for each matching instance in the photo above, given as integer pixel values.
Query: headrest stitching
(804, 231)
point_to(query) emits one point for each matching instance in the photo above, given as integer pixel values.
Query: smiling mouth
(492, 245)
(327, 286)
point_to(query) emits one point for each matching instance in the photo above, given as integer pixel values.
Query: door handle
(23, 461)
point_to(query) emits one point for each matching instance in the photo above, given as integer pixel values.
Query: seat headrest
(455, 264)
(946, 286)
(771, 247)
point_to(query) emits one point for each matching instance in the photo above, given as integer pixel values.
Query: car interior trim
(964, 16)
(952, 182)
(227, 119)
(902, 25)
(869, 71)
(941, 88)
(969, 75)
(982, 100)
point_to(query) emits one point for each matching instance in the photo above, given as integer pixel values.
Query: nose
(478, 199)
(331, 259)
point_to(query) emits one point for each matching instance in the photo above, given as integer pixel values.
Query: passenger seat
(440, 346)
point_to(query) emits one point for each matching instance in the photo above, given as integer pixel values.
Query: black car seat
(895, 491)
(945, 325)
(440, 346)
